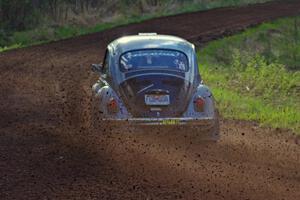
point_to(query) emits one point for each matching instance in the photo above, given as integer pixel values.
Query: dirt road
(48, 151)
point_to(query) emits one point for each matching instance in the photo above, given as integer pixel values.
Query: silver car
(154, 80)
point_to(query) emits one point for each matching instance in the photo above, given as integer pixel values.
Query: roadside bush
(261, 78)
(255, 75)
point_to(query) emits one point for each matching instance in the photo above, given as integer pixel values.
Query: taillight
(113, 106)
(199, 104)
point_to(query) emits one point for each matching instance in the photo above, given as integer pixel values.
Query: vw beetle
(153, 80)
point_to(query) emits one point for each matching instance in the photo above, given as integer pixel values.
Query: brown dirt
(48, 151)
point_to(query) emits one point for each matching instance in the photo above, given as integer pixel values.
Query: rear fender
(103, 94)
(209, 108)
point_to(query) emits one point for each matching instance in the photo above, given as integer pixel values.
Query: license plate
(157, 100)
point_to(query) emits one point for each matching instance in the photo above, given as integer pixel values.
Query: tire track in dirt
(48, 151)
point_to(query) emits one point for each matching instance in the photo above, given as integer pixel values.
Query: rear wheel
(96, 115)
(208, 134)
(216, 128)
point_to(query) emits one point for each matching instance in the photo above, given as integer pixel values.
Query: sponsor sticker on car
(170, 122)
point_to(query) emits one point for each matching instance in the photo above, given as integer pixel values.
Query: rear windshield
(153, 59)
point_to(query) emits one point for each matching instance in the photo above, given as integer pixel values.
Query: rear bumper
(204, 128)
(182, 121)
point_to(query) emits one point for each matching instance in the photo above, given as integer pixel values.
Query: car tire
(96, 115)
(215, 137)
(212, 134)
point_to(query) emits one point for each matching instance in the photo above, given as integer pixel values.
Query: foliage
(252, 81)
(17, 15)
(236, 106)
(15, 46)
(277, 41)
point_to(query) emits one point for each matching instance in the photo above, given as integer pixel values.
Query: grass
(45, 34)
(236, 106)
(255, 75)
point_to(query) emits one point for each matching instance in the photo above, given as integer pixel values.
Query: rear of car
(154, 80)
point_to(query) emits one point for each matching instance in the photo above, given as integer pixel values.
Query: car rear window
(153, 59)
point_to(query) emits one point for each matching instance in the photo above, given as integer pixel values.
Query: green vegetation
(255, 75)
(30, 22)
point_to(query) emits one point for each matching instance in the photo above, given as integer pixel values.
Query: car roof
(150, 41)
